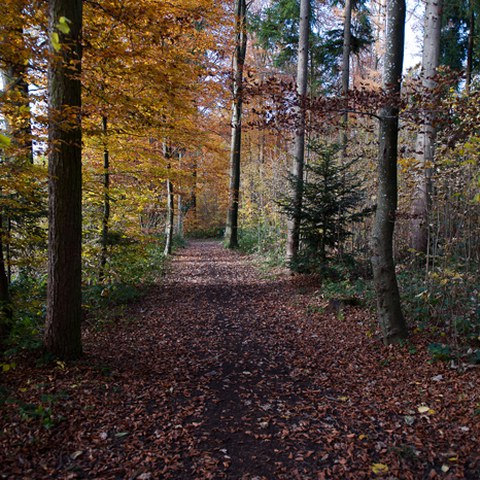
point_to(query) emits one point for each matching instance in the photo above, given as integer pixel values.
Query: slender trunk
(180, 214)
(106, 201)
(15, 89)
(347, 40)
(193, 199)
(170, 218)
(231, 231)
(426, 136)
(471, 46)
(63, 327)
(293, 223)
(5, 305)
(389, 311)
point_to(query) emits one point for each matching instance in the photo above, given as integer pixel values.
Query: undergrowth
(444, 303)
(131, 268)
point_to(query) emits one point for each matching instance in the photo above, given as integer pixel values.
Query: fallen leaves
(226, 375)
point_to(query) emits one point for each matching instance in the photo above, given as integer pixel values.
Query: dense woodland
(119, 138)
(287, 129)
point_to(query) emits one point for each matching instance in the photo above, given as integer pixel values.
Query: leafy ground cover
(220, 372)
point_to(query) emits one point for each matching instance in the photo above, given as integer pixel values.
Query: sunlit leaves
(4, 141)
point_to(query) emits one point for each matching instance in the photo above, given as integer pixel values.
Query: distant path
(221, 373)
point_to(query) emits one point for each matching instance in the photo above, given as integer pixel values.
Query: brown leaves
(226, 375)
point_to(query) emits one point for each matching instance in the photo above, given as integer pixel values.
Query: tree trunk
(5, 305)
(426, 135)
(347, 39)
(389, 312)
(180, 214)
(106, 201)
(231, 231)
(471, 46)
(293, 224)
(19, 122)
(170, 218)
(167, 151)
(63, 332)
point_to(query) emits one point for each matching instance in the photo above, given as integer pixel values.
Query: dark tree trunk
(347, 40)
(19, 122)
(471, 46)
(63, 332)
(5, 305)
(389, 312)
(231, 231)
(293, 224)
(106, 202)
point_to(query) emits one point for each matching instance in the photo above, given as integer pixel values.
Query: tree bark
(170, 203)
(231, 230)
(5, 305)
(106, 201)
(426, 135)
(389, 311)
(170, 218)
(293, 223)
(347, 40)
(63, 332)
(471, 46)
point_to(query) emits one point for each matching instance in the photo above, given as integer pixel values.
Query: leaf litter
(220, 373)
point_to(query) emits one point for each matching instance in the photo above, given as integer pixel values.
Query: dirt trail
(221, 373)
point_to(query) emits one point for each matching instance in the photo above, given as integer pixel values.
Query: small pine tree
(331, 204)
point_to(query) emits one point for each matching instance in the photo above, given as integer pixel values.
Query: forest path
(221, 373)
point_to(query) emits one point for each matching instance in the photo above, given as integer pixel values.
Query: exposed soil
(222, 372)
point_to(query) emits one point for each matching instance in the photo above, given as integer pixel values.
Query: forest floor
(225, 372)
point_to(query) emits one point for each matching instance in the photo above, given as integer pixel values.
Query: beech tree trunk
(5, 305)
(231, 230)
(170, 218)
(167, 149)
(389, 311)
(63, 332)
(347, 40)
(19, 123)
(180, 214)
(426, 135)
(471, 46)
(293, 223)
(106, 201)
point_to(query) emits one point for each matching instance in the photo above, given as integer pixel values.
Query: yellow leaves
(424, 409)
(63, 25)
(55, 39)
(379, 468)
(6, 367)
(4, 141)
(61, 365)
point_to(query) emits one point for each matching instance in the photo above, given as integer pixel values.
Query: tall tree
(170, 202)
(389, 311)
(106, 201)
(231, 232)
(426, 134)
(63, 332)
(293, 225)
(17, 143)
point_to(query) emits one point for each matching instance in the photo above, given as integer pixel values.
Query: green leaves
(4, 141)
(63, 26)
(55, 39)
